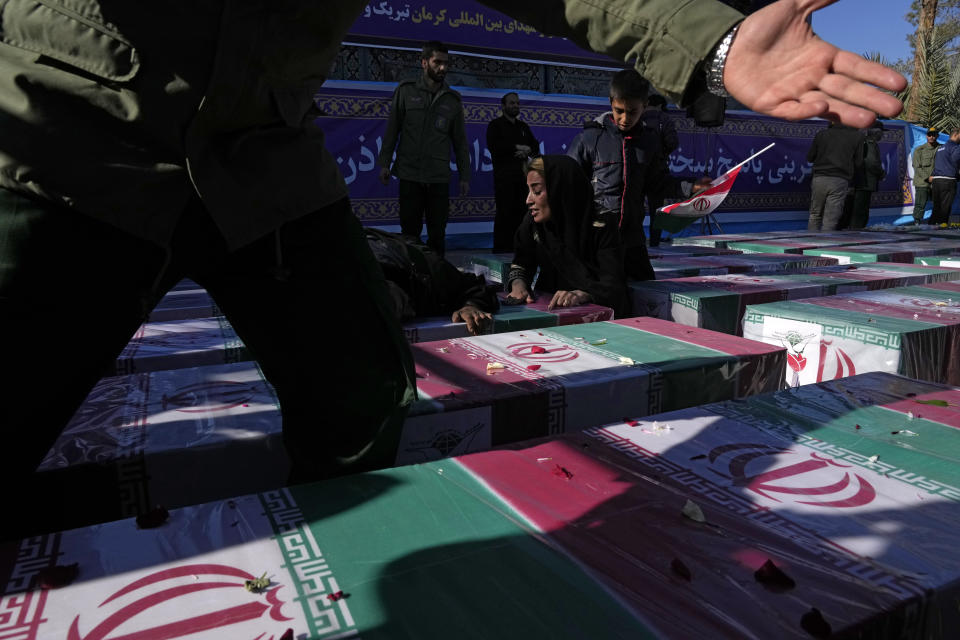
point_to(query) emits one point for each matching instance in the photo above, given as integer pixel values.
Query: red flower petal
(537, 350)
(562, 472)
(533, 367)
(339, 595)
(57, 576)
(632, 423)
(287, 635)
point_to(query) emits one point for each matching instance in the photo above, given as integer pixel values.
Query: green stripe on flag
(876, 329)
(427, 551)
(521, 318)
(683, 374)
(916, 451)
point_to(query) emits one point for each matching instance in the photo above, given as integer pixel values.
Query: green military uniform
(427, 123)
(143, 142)
(922, 170)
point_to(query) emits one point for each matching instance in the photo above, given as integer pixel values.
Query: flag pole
(748, 159)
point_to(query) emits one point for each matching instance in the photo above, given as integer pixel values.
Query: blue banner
(354, 121)
(467, 26)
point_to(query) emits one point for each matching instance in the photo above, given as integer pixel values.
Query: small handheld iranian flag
(679, 215)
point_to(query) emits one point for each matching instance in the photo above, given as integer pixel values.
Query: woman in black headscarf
(578, 251)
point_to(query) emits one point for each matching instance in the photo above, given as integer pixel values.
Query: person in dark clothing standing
(867, 174)
(655, 119)
(511, 143)
(427, 117)
(946, 163)
(922, 160)
(621, 156)
(624, 159)
(832, 154)
(576, 247)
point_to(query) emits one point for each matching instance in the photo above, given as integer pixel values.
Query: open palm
(779, 67)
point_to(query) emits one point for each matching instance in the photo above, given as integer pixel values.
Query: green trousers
(921, 197)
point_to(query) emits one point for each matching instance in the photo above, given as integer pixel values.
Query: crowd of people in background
(622, 157)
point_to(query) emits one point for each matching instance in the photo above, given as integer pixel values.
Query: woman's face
(537, 203)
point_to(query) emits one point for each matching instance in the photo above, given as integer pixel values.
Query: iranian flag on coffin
(905, 252)
(494, 267)
(169, 437)
(721, 240)
(683, 267)
(799, 244)
(184, 304)
(675, 251)
(885, 275)
(678, 216)
(717, 302)
(421, 552)
(829, 467)
(952, 260)
(491, 390)
(577, 536)
(768, 262)
(939, 233)
(914, 331)
(181, 344)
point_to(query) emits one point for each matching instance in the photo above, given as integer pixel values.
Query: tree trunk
(925, 22)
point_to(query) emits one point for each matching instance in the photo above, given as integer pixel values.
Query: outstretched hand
(779, 67)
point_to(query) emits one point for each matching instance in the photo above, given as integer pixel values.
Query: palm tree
(933, 97)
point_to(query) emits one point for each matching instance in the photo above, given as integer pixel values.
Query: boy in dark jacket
(624, 159)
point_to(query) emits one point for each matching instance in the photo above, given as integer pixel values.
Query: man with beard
(427, 116)
(511, 143)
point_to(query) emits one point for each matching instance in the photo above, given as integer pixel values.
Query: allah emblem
(821, 481)
(164, 587)
(209, 396)
(544, 351)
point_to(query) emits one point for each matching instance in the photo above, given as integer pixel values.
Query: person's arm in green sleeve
(776, 65)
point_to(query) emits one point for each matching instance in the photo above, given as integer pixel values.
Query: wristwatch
(716, 61)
